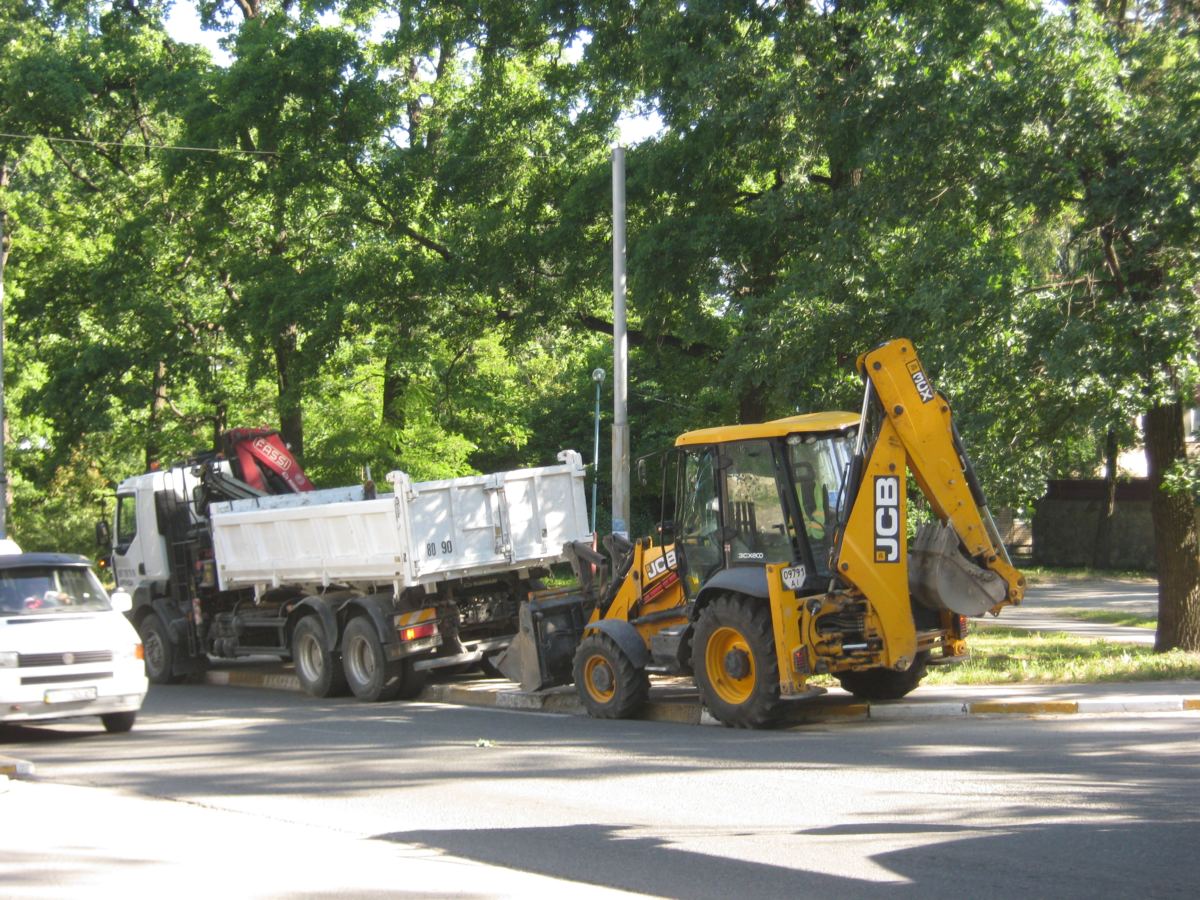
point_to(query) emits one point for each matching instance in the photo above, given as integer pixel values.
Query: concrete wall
(1064, 525)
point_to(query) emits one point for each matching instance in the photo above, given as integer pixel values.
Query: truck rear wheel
(733, 655)
(609, 685)
(885, 684)
(158, 650)
(319, 669)
(370, 676)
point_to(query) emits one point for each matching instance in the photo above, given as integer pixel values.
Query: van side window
(126, 521)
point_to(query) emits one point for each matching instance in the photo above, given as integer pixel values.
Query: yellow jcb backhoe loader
(788, 556)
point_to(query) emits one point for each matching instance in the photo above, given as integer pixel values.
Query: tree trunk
(157, 404)
(752, 404)
(1176, 543)
(1101, 555)
(395, 386)
(291, 418)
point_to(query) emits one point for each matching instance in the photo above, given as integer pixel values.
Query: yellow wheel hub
(599, 679)
(729, 665)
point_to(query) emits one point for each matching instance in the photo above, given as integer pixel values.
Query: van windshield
(33, 590)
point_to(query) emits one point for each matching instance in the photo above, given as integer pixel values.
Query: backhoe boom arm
(958, 564)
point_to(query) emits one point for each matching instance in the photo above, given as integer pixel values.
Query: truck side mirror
(103, 534)
(666, 532)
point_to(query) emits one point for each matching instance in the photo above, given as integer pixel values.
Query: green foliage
(398, 250)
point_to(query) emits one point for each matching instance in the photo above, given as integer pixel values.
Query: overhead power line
(136, 146)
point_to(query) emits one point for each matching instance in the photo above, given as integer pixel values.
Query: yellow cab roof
(809, 423)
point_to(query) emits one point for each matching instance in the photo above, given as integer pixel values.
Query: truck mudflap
(542, 652)
(941, 577)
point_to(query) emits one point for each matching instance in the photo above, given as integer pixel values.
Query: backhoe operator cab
(789, 556)
(751, 495)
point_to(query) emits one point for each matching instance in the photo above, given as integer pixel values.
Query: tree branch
(638, 338)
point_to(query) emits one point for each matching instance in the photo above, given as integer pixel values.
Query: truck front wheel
(319, 669)
(370, 676)
(158, 650)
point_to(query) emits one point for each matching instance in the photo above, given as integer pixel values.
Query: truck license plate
(70, 695)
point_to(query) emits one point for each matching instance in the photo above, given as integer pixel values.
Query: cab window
(699, 523)
(756, 517)
(126, 521)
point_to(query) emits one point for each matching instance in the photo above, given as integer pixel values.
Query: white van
(66, 649)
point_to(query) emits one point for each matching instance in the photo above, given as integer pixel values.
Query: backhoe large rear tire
(885, 684)
(733, 655)
(318, 669)
(609, 684)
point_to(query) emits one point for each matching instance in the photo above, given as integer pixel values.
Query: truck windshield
(817, 467)
(33, 590)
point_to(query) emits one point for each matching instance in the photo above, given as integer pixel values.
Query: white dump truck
(362, 591)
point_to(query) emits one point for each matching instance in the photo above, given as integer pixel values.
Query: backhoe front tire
(158, 651)
(733, 655)
(609, 684)
(318, 669)
(885, 684)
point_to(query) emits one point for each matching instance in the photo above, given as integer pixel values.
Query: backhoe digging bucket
(543, 651)
(941, 577)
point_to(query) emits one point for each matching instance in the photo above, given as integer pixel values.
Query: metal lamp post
(598, 377)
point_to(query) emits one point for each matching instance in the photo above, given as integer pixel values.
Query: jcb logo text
(920, 381)
(887, 519)
(659, 566)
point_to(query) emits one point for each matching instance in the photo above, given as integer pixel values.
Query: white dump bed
(421, 534)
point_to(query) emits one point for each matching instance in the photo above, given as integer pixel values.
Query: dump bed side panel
(421, 534)
(313, 545)
(489, 523)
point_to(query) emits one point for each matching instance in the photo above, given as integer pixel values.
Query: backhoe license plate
(793, 578)
(70, 695)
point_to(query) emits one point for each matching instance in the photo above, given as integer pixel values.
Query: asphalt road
(267, 793)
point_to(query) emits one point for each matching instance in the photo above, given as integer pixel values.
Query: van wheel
(158, 651)
(370, 676)
(319, 670)
(119, 722)
(733, 655)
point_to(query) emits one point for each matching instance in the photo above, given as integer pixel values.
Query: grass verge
(1006, 656)
(1109, 617)
(1044, 574)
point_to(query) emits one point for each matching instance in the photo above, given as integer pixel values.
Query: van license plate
(70, 695)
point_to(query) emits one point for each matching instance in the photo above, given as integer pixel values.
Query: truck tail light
(416, 632)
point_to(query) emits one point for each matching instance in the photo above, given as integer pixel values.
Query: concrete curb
(15, 768)
(688, 711)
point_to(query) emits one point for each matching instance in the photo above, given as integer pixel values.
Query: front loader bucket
(542, 653)
(941, 577)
